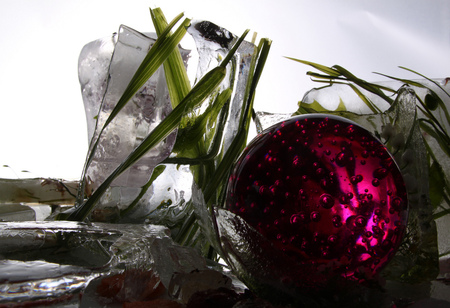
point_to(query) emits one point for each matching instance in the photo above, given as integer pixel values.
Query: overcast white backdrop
(42, 121)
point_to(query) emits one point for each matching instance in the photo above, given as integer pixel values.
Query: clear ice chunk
(213, 43)
(40, 282)
(264, 120)
(93, 65)
(167, 200)
(104, 75)
(54, 259)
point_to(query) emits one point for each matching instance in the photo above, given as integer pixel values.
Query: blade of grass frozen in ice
(439, 101)
(170, 123)
(373, 88)
(176, 75)
(156, 172)
(427, 78)
(160, 51)
(188, 138)
(200, 92)
(346, 77)
(217, 180)
(419, 237)
(256, 69)
(365, 99)
(156, 56)
(240, 139)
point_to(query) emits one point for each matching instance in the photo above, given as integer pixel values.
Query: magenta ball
(325, 192)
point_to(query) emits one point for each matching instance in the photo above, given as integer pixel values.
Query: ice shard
(167, 200)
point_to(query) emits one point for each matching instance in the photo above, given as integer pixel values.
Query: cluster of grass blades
(197, 147)
(419, 251)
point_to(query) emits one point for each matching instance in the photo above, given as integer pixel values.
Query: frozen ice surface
(93, 64)
(104, 75)
(266, 119)
(213, 43)
(62, 257)
(25, 282)
(167, 200)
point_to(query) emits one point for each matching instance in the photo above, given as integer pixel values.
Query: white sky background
(42, 121)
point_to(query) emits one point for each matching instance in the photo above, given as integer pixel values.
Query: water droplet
(296, 161)
(380, 173)
(350, 130)
(299, 218)
(326, 201)
(360, 222)
(332, 239)
(397, 204)
(386, 244)
(315, 216)
(341, 159)
(336, 218)
(353, 180)
(263, 190)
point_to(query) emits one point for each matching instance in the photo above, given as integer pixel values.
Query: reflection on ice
(54, 259)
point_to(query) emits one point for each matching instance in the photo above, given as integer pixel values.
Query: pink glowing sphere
(326, 193)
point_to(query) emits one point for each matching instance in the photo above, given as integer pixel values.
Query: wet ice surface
(105, 68)
(213, 44)
(265, 119)
(52, 259)
(40, 280)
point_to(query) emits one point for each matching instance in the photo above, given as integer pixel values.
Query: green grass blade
(156, 172)
(159, 52)
(240, 139)
(216, 142)
(199, 93)
(176, 75)
(232, 51)
(189, 137)
(410, 82)
(325, 69)
(373, 88)
(429, 79)
(431, 129)
(367, 101)
(264, 49)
